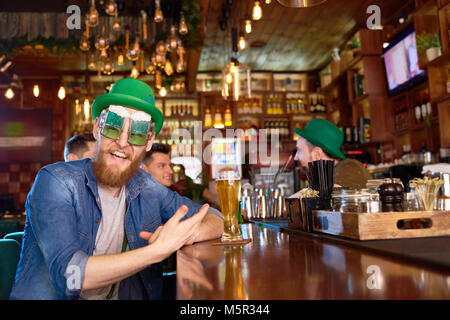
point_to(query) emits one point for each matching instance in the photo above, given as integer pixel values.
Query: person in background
(79, 147)
(157, 162)
(99, 228)
(322, 140)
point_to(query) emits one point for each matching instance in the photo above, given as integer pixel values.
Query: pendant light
(134, 52)
(84, 43)
(134, 72)
(268, 1)
(9, 93)
(92, 16)
(61, 93)
(242, 41)
(257, 11)
(248, 25)
(158, 12)
(111, 7)
(162, 92)
(86, 108)
(36, 90)
(168, 68)
(300, 3)
(218, 122)
(183, 29)
(116, 23)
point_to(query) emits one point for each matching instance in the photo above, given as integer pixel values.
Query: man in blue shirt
(98, 229)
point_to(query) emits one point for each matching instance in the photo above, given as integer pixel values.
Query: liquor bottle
(418, 110)
(312, 107)
(429, 110)
(318, 105)
(423, 108)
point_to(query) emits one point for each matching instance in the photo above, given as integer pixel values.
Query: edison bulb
(158, 12)
(134, 73)
(183, 29)
(101, 42)
(9, 94)
(84, 43)
(248, 26)
(242, 42)
(36, 90)
(111, 7)
(61, 93)
(257, 11)
(92, 16)
(162, 92)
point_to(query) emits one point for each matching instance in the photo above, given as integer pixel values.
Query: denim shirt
(63, 216)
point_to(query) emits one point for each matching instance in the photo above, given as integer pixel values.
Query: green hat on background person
(130, 93)
(324, 134)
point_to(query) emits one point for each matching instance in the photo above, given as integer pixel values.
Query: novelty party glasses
(111, 124)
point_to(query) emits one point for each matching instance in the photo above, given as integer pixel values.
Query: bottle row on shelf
(181, 148)
(357, 135)
(274, 103)
(249, 106)
(181, 110)
(422, 108)
(277, 126)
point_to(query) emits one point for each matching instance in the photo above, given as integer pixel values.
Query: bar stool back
(9, 258)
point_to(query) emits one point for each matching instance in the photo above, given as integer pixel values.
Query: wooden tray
(382, 225)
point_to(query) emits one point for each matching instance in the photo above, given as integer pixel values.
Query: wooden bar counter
(279, 265)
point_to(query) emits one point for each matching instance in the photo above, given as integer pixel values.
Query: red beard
(110, 176)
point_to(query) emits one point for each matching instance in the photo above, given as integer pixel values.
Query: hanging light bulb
(101, 42)
(183, 29)
(84, 43)
(135, 51)
(257, 11)
(248, 25)
(91, 63)
(120, 61)
(36, 90)
(61, 93)
(134, 72)
(268, 1)
(161, 47)
(86, 106)
(162, 92)
(150, 68)
(180, 66)
(9, 94)
(160, 59)
(111, 7)
(116, 23)
(103, 54)
(173, 40)
(242, 41)
(92, 16)
(158, 12)
(229, 78)
(108, 67)
(168, 68)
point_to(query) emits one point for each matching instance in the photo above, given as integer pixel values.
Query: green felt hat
(130, 93)
(324, 134)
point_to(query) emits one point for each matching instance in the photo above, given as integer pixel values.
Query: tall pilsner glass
(228, 187)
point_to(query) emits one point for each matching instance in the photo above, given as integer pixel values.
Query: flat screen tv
(402, 63)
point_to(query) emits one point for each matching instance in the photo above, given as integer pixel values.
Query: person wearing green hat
(100, 228)
(322, 140)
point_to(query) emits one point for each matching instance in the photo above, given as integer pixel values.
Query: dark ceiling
(285, 39)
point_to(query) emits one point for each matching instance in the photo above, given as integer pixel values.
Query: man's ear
(71, 157)
(150, 143)
(95, 129)
(317, 153)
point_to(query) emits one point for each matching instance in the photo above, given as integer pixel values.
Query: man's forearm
(104, 270)
(210, 228)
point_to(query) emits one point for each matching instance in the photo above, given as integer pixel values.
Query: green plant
(354, 44)
(426, 41)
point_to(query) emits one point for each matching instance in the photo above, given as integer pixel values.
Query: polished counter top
(284, 266)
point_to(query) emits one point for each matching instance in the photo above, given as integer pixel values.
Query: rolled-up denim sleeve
(171, 201)
(54, 223)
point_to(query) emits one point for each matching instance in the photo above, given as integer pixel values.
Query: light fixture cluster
(247, 28)
(167, 58)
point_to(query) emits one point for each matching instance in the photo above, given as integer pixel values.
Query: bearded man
(99, 229)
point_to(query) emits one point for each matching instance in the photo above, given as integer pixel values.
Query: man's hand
(175, 233)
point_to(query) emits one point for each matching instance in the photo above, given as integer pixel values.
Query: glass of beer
(228, 187)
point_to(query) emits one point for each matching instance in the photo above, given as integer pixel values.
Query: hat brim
(309, 137)
(105, 100)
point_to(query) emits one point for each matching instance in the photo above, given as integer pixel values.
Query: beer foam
(141, 116)
(119, 110)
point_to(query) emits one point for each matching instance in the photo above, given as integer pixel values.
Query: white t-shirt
(109, 238)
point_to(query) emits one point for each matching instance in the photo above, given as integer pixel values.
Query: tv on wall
(402, 63)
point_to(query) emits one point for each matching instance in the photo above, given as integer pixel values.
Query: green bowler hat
(324, 134)
(130, 93)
